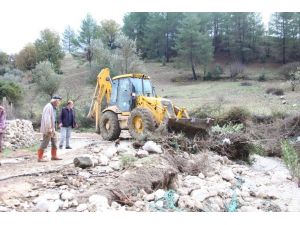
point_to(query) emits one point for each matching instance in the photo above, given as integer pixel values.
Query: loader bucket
(190, 126)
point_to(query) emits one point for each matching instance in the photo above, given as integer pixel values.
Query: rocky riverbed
(220, 185)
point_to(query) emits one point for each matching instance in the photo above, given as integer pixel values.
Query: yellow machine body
(143, 113)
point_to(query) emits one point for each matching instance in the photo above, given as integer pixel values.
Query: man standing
(48, 129)
(2, 125)
(66, 123)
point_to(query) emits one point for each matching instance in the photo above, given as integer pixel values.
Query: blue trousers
(65, 134)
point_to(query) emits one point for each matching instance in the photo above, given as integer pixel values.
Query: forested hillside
(240, 36)
(195, 46)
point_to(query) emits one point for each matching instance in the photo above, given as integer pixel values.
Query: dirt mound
(234, 146)
(269, 135)
(291, 126)
(158, 173)
(261, 134)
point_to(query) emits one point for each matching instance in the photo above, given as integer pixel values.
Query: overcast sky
(22, 20)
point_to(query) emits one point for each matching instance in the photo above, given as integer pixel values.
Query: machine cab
(125, 88)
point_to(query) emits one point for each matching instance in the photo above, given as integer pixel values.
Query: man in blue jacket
(66, 123)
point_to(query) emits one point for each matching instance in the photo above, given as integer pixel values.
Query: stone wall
(19, 134)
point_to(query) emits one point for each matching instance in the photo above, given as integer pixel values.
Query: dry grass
(74, 82)
(73, 86)
(196, 94)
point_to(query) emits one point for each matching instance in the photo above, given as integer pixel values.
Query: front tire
(141, 123)
(109, 126)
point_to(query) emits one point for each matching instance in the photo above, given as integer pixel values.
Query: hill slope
(191, 94)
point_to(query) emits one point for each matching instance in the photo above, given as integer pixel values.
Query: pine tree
(280, 28)
(89, 31)
(192, 45)
(162, 29)
(135, 27)
(69, 40)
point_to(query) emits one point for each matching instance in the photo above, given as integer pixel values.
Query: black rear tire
(109, 126)
(147, 123)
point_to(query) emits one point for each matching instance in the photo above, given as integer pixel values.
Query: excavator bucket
(190, 126)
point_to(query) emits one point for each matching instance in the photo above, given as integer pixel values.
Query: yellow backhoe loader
(129, 102)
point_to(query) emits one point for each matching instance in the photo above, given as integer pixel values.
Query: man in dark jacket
(66, 123)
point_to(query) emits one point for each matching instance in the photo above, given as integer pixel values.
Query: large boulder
(98, 203)
(83, 162)
(152, 147)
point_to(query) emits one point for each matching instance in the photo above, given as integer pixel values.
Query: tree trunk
(283, 44)
(240, 35)
(167, 48)
(167, 40)
(243, 41)
(194, 73)
(216, 34)
(283, 51)
(126, 65)
(191, 59)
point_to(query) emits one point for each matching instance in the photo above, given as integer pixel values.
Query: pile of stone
(19, 134)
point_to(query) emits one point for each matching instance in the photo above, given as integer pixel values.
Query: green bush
(205, 111)
(218, 70)
(11, 90)
(262, 77)
(214, 73)
(287, 69)
(82, 119)
(256, 148)
(47, 80)
(2, 70)
(14, 75)
(3, 58)
(227, 128)
(290, 158)
(235, 115)
(208, 76)
(42, 69)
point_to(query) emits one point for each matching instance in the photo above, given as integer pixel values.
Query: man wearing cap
(48, 129)
(66, 123)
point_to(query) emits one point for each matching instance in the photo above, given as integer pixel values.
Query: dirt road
(20, 170)
(22, 162)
